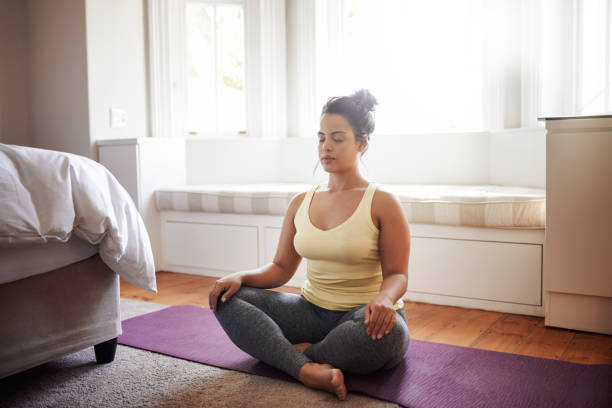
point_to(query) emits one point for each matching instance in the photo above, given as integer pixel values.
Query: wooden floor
(481, 329)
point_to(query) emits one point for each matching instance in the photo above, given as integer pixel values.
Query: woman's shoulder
(384, 201)
(296, 201)
(298, 198)
(385, 196)
(387, 209)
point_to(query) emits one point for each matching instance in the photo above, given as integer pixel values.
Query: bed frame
(46, 316)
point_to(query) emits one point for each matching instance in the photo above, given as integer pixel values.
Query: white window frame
(265, 67)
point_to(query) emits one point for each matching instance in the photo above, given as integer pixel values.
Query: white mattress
(21, 261)
(48, 196)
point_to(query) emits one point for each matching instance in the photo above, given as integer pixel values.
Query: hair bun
(365, 99)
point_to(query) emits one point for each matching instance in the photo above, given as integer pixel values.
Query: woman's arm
(275, 274)
(394, 246)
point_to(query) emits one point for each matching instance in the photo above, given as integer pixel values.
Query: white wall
(510, 157)
(518, 157)
(232, 161)
(72, 60)
(437, 158)
(460, 158)
(116, 65)
(58, 75)
(13, 77)
(298, 159)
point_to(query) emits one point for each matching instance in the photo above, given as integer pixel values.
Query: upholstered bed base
(59, 312)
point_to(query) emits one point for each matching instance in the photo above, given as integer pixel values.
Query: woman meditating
(349, 316)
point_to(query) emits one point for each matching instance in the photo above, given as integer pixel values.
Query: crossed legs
(267, 324)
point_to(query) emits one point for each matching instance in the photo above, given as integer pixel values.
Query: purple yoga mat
(431, 374)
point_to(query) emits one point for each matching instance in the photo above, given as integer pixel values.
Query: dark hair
(357, 109)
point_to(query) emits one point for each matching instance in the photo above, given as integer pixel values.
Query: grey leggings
(266, 324)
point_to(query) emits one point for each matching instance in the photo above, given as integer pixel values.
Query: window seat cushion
(489, 206)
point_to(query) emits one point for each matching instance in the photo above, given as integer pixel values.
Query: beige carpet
(139, 378)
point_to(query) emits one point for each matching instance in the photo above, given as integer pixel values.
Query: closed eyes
(321, 140)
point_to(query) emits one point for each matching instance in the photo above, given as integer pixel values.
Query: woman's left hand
(379, 317)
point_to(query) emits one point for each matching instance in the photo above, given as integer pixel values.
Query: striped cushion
(477, 206)
(469, 205)
(272, 199)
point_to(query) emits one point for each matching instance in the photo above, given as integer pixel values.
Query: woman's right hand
(227, 285)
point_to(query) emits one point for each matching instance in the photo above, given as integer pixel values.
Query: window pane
(200, 68)
(592, 63)
(215, 68)
(230, 66)
(424, 66)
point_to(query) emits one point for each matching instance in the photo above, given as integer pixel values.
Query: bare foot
(323, 377)
(302, 346)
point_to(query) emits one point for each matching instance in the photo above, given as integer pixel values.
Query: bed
(68, 230)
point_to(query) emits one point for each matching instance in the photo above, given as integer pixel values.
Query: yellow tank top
(343, 263)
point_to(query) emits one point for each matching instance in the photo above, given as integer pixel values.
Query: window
(217, 68)
(576, 57)
(223, 67)
(434, 66)
(461, 65)
(425, 67)
(216, 99)
(593, 57)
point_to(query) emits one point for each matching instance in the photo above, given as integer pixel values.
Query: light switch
(118, 118)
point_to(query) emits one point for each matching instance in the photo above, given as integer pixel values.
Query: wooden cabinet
(578, 239)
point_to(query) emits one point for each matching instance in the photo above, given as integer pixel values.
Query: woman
(349, 317)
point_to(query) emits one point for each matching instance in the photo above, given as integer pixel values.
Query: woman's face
(338, 148)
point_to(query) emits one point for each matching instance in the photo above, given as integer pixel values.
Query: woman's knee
(400, 330)
(238, 311)
(247, 296)
(400, 334)
(246, 293)
(392, 347)
(397, 343)
(384, 353)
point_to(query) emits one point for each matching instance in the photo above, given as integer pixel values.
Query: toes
(337, 382)
(337, 379)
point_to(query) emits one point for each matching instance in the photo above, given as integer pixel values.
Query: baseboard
(471, 303)
(579, 312)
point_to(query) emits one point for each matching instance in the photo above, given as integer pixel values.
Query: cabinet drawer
(506, 272)
(210, 246)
